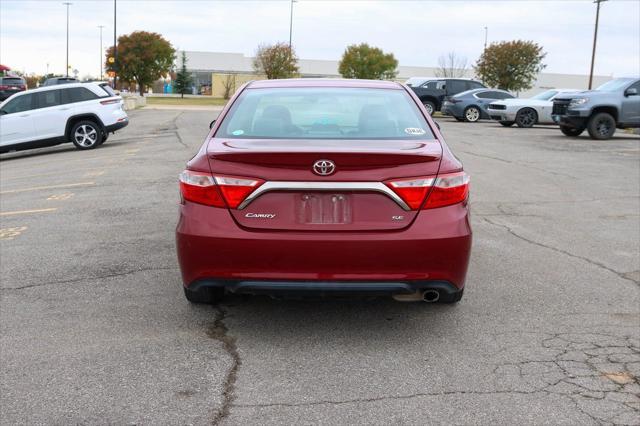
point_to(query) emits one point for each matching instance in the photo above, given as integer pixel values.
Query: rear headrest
(277, 112)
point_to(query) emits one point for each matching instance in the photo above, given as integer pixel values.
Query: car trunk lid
(353, 197)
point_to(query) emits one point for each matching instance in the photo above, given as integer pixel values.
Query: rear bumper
(213, 248)
(328, 288)
(117, 126)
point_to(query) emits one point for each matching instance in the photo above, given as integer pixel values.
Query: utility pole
(67, 4)
(595, 38)
(115, 48)
(101, 59)
(291, 22)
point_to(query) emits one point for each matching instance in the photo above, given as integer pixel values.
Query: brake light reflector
(210, 190)
(412, 191)
(110, 101)
(448, 189)
(235, 190)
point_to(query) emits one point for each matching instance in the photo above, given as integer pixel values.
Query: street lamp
(101, 73)
(67, 4)
(291, 22)
(115, 48)
(595, 37)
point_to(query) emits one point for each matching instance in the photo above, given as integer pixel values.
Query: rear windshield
(12, 80)
(324, 113)
(108, 89)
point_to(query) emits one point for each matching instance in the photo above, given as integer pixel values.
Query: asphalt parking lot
(95, 329)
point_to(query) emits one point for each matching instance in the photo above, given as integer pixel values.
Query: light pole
(67, 4)
(115, 48)
(291, 22)
(595, 37)
(101, 73)
(486, 34)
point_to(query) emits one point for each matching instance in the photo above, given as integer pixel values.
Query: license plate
(321, 208)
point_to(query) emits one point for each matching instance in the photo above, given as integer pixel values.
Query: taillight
(4, 87)
(210, 190)
(110, 101)
(412, 191)
(447, 189)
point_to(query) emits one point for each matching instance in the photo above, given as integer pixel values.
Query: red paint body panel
(356, 242)
(436, 247)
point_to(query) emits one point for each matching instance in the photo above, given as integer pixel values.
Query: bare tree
(451, 65)
(229, 85)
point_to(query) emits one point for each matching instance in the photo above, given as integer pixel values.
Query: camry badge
(324, 167)
(261, 215)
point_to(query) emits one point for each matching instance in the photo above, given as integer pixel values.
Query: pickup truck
(433, 91)
(615, 104)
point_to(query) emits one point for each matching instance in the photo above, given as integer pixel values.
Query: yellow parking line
(28, 211)
(38, 188)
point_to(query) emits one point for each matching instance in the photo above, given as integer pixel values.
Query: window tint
(503, 95)
(49, 98)
(475, 85)
(324, 113)
(636, 86)
(18, 104)
(456, 86)
(77, 94)
(14, 81)
(486, 95)
(430, 85)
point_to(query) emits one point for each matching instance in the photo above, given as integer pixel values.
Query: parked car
(323, 187)
(615, 104)
(60, 80)
(472, 105)
(10, 86)
(432, 92)
(82, 113)
(528, 111)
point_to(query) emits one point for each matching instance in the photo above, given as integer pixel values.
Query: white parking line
(39, 188)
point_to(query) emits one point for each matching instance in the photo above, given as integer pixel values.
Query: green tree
(276, 61)
(510, 65)
(183, 81)
(143, 57)
(364, 61)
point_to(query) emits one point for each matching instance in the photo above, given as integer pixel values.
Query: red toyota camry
(324, 187)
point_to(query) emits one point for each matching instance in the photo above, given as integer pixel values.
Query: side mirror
(2, 112)
(212, 123)
(631, 92)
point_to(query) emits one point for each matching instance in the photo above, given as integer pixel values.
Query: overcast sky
(32, 33)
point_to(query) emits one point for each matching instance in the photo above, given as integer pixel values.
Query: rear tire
(601, 126)
(86, 134)
(105, 136)
(472, 114)
(526, 118)
(429, 106)
(204, 295)
(570, 131)
(507, 123)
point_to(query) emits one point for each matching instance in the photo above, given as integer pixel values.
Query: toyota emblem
(324, 167)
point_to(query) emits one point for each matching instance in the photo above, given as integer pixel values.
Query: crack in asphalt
(96, 277)
(586, 367)
(519, 163)
(219, 332)
(622, 275)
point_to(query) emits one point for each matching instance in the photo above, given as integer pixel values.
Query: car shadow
(261, 318)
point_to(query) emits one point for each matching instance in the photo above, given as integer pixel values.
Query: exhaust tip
(431, 296)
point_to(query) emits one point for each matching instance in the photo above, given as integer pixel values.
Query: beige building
(220, 71)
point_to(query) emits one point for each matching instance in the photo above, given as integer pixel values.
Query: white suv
(82, 113)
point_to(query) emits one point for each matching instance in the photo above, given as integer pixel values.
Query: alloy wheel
(86, 135)
(472, 114)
